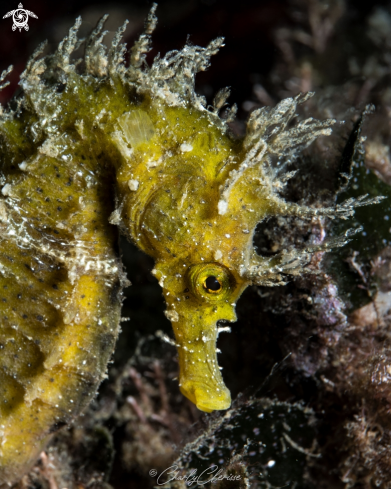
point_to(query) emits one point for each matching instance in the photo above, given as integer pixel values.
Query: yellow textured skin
(59, 283)
(133, 147)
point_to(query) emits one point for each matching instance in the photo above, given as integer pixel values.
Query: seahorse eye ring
(210, 282)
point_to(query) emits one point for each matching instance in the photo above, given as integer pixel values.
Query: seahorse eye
(212, 284)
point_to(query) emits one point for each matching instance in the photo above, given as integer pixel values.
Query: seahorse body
(88, 150)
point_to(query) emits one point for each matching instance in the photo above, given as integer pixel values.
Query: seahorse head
(191, 195)
(171, 209)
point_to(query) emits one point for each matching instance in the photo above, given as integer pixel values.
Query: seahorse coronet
(186, 192)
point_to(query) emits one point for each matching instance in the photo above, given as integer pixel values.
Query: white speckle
(172, 315)
(115, 217)
(225, 329)
(6, 190)
(161, 281)
(133, 185)
(153, 164)
(23, 165)
(185, 148)
(218, 255)
(271, 463)
(222, 207)
(227, 235)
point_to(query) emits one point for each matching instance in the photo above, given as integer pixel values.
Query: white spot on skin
(6, 190)
(185, 148)
(23, 166)
(172, 315)
(133, 185)
(115, 217)
(227, 235)
(222, 207)
(218, 255)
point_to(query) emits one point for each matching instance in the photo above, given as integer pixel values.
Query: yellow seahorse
(93, 146)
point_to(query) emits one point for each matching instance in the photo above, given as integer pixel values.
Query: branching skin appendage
(186, 192)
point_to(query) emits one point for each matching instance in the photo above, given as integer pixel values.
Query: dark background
(248, 27)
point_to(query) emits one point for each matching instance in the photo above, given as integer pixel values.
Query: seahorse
(92, 147)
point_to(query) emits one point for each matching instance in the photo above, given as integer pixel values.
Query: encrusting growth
(186, 192)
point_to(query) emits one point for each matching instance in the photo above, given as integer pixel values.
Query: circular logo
(20, 18)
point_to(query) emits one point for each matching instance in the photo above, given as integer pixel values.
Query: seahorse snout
(207, 397)
(200, 378)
